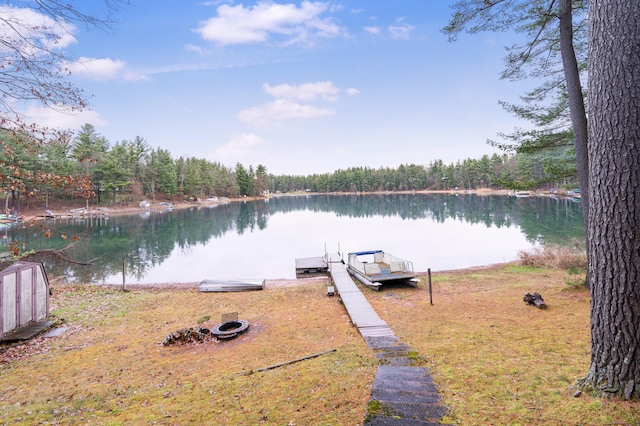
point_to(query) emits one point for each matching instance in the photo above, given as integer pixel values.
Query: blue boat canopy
(362, 253)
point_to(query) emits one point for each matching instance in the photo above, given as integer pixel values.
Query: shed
(24, 295)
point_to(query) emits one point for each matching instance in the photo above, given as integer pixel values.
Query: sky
(300, 87)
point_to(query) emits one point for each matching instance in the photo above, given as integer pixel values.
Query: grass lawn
(495, 359)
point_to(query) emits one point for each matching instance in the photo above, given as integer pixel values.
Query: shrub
(556, 257)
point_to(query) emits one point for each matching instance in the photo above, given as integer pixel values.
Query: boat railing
(408, 266)
(380, 260)
(371, 268)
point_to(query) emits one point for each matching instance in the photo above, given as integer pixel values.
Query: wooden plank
(376, 332)
(27, 332)
(362, 314)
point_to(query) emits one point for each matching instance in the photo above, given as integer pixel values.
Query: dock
(402, 393)
(311, 266)
(362, 314)
(81, 213)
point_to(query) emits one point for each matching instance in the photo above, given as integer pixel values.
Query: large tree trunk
(614, 177)
(577, 109)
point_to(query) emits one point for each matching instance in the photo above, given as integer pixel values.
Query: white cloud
(286, 107)
(239, 146)
(401, 32)
(281, 109)
(305, 92)
(372, 30)
(216, 2)
(265, 20)
(197, 49)
(352, 91)
(33, 33)
(101, 69)
(55, 119)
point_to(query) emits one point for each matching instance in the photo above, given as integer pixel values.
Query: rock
(535, 299)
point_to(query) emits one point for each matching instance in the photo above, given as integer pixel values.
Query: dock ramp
(406, 393)
(362, 314)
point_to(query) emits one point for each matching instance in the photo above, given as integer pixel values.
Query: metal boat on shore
(230, 285)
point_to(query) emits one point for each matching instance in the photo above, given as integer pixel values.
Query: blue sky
(299, 87)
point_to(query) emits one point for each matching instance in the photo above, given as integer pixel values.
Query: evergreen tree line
(107, 174)
(521, 171)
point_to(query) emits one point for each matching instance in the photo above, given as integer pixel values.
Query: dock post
(124, 274)
(430, 292)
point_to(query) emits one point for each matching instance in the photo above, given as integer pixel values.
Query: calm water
(262, 239)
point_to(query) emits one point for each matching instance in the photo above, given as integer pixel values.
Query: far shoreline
(33, 215)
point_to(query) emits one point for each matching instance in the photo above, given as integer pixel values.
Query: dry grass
(111, 368)
(556, 257)
(496, 359)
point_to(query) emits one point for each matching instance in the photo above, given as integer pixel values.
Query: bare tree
(34, 69)
(33, 37)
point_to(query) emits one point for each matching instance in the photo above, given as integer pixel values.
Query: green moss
(204, 319)
(375, 409)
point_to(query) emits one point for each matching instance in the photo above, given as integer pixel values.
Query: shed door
(26, 296)
(9, 295)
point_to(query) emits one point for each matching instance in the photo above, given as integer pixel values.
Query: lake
(261, 239)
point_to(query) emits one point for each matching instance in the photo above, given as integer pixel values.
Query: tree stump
(535, 299)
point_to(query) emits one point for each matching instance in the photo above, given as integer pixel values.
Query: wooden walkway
(362, 314)
(402, 394)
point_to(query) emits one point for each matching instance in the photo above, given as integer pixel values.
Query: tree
(193, 179)
(28, 167)
(114, 174)
(133, 160)
(552, 38)
(89, 147)
(54, 160)
(224, 182)
(243, 179)
(35, 70)
(262, 179)
(577, 108)
(163, 171)
(614, 174)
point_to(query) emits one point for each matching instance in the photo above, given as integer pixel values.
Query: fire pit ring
(230, 329)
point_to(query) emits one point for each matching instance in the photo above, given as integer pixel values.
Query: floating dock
(81, 213)
(362, 314)
(406, 392)
(311, 266)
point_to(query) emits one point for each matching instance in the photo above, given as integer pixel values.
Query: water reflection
(261, 239)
